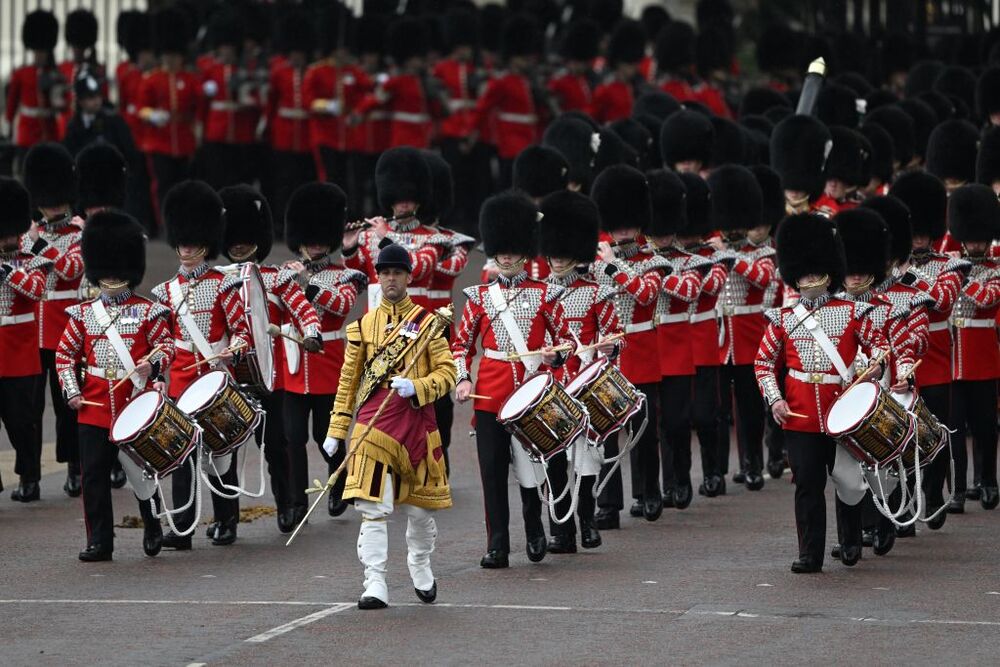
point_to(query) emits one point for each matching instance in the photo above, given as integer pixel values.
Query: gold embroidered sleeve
(350, 374)
(441, 373)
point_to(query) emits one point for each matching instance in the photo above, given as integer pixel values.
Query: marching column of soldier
(667, 255)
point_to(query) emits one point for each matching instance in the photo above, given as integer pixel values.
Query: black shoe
(428, 596)
(174, 541)
(776, 468)
(710, 487)
(835, 551)
(806, 565)
(26, 492)
(682, 496)
(884, 540)
(906, 531)
(590, 538)
(740, 477)
(668, 498)
(335, 506)
(371, 603)
(95, 553)
(956, 505)
(72, 485)
(990, 498)
(212, 529)
(495, 560)
(117, 478)
(299, 514)
(636, 510)
(226, 534)
(286, 519)
(652, 508)
(755, 481)
(536, 548)
(850, 555)
(937, 522)
(607, 519)
(152, 539)
(974, 493)
(701, 489)
(562, 544)
(867, 537)
(722, 484)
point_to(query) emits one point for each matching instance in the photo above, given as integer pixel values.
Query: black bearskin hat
(442, 192)
(921, 77)
(856, 82)
(81, 29)
(809, 244)
(103, 176)
(113, 246)
(697, 206)
(897, 218)
(520, 37)
(508, 224)
(627, 44)
(461, 27)
(622, 196)
(772, 196)
(225, 28)
(847, 157)
(171, 31)
(655, 103)
(192, 212)
(613, 150)
(407, 38)
(988, 160)
(958, 82)
(897, 52)
(669, 199)
(135, 32)
(778, 49)
(50, 175)
(737, 201)
(866, 242)
(943, 107)
(569, 226)
(674, 48)
(730, 143)
(402, 174)
(368, 35)
(606, 12)
(581, 41)
(713, 49)
(799, 148)
(988, 93)
(927, 199)
(758, 100)
(578, 143)
(951, 151)
(247, 219)
(838, 105)
(924, 119)
(15, 208)
(40, 31)
(899, 125)
(540, 170)
(315, 215)
(296, 31)
(653, 18)
(636, 136)
(880, 160)
(686, 135)
(973, 214)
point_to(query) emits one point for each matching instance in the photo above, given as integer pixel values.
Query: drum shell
(610, 399)
(881, 434)
(164, 443)
(931, 436)
(228, 420)
(549, 424)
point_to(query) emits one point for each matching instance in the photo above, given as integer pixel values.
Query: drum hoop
(864, 415)
(152, 417)
(249, 272)
(534, 402)
(204, 406)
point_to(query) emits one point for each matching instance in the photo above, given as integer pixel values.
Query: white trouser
(528, 473)
(588, 460)
(889, 482)
(848, 477)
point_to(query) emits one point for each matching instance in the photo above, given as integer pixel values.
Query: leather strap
(816, 331)
(117, 344)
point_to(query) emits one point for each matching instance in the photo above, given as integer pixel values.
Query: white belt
(939, 326)
(378, 115)
(333, 335)
(292, 113)
(703, 317)
(520, 118)
(639, 327)
(439, 294)
(495, 354)
(107, 373)
(742, 310)
(406, 117)
(963, 323)
(16, 319)
(458, 105)
(815, 378)
(36, 112)
(673, 318)
(57, 295)
(224, 106)
(416, 291)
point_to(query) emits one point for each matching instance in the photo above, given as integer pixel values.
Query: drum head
(851, 408)
(907, 399)
(202, 391)
(255, 304)
(585, 376)
(136, 415)
(524, 396)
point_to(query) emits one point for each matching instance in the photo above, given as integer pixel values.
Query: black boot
(95, 553)
(562, 544)
(850, 555)
(26, 492)
(226, 534)
(754, 481)
(635, 510)
(740, 476)
(682, 495)
(72, 485)
(990, 497)
(711, 486)
(590, 538)
(806, 565)
(174, 541)
(495, 560)
(536, 548)
(335, 506)
(884, 537)
(652, 508)
(607, 519)
(776, 468)
(117, 476)
(152, 538)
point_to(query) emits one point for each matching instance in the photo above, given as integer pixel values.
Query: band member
(686, 138)
(512, 314)
(207, 320)
(737, 210)
(314, 228)
(50, 177)
(942, 278)
(622, 196)
(626, 47)
(811, 260)
(22, 287)
(396, 456)
(569, 230)
(974, 221)
(36, 93)
(539, 171)
(118, 335)
(572, 87)
(799, 148)
(248, 236)
(403, 180)
(844, 170)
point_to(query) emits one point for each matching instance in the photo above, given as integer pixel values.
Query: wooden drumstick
(610, 339)
(94, 403)
(910, 372)
(878, 362)
(274, 331)
(132, 372)
(796, 414)
(514, 356)
(215, 357)
(481, 397)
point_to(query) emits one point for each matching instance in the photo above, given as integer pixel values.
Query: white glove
(210, 88)
(159, 117)
(333, 107)
(331, 445)
(403, 386)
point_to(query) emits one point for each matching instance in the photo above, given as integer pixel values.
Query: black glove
(610, 270)
(558, 361)
(40, 245)
(908, 278)
(5, 270)
(313, 344)
(728, 262)
(155, 373)
(312, 291)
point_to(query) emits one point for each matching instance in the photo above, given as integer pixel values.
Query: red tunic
(448, 268)
(712, 98)
(20, 293)
(345, 85)
(287, 111)
(572, 92)
(62, 283)
(612, 101)
(454, 75)
(129, 78)
(231, 109)
(589, 312)
(704, 324)
(177, 93)
(941, 277)
(509, 96)
(748, 291)
(404, 98)
(29, 111)
(422, 242)
(976, 355)
(679, 89)
(673, 311)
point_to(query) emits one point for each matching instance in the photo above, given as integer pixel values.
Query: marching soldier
(207, 320)
(315, 227)
(844, 170)
(613, 99)
(514, 315)
(573, 86)
(36, 93)
(686, 139)
(799, 148)
(111, 337)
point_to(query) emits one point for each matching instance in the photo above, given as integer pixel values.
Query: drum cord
(238, 490)
(906, 504)
(577, 480)
(195, 497)
(616, 460)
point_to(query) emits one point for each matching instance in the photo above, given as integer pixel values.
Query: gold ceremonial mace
(442, 318)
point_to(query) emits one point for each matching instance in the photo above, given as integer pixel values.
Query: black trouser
(97, 458)
(493, 443)
(18, 417)
(559, 477)
(506, 173)
(811, 456)
(938, 400)
(336, 166)
(272, 434)
(705, 413)
(137, 195)
(290, 171)
(974, 411)
(675, 431)
(224, 164)
(644, 457)
(167, 171)
(739, 390)
(362, 199)
(444, 414)
(226, 510)
(774, 437)
(67, 449)
(297, 410)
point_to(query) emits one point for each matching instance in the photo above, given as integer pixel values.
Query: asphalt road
(708, 585)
